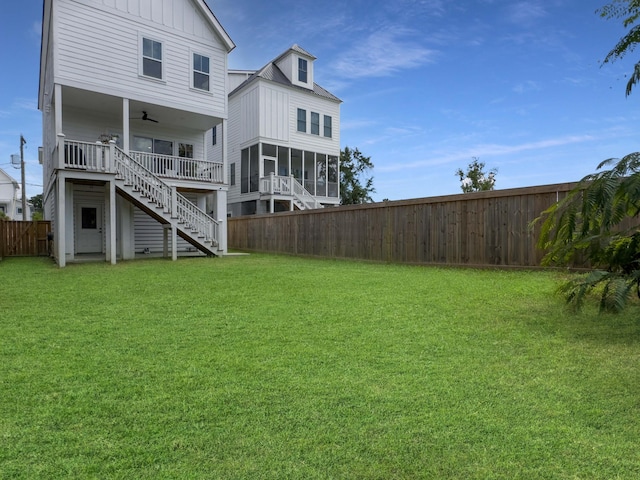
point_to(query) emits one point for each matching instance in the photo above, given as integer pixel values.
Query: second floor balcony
(96, 157)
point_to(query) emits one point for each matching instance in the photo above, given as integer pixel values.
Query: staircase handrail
(162, 194)
(303, 195)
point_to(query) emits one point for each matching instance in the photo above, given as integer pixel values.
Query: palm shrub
(597, 223)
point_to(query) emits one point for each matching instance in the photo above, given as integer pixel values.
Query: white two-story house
(11, 198)
(129, 93)
(283, 138)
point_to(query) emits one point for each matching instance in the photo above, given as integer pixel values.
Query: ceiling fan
(146, 117)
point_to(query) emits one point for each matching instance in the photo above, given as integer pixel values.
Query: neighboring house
(11, 198)
(129, 92)
(283, 138)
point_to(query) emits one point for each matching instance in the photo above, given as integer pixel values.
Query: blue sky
(427, 84)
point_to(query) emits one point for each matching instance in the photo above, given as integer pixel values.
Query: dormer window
(151, 58)
(302, 70)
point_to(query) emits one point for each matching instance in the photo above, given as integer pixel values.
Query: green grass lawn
(276, 367)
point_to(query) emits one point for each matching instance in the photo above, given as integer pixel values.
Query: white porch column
(60, 143)
(221, 216)
(224, 150)
(110, 234)
(69, 214)
(165, 240)
(174, 243)
(57, 99)
(291, 205)
(174, 202)
(125, 219)
(60, 226)
(125, 125)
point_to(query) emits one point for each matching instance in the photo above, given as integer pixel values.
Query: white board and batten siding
(267, 112)
(261, 111)
(274, 113)
(323, 106)
(101, 51)
(234, 134)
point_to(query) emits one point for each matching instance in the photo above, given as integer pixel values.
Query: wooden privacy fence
(24, 238)
(474, 229)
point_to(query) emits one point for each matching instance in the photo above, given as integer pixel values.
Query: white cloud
(415, 7)
(356, 124)
(488, 150)
(525, 12)
(28, 104)
(528, 86)
(383, 53)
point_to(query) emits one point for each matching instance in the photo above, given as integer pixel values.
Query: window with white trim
(185, 150)
(315, 123)
(302, 70)
(327, 126)
(214, 135)
(302, 120)
(200, 78)
(151, 58)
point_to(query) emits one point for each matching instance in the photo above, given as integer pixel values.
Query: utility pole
(24, 190)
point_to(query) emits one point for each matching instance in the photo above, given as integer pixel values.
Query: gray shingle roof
(272, 73)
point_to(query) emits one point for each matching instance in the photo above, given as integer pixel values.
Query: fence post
(2, 239)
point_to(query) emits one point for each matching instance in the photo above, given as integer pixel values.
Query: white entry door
(89, 238)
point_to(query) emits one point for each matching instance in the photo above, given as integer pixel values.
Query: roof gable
(8, 178)
(273, 73)
(215, 24)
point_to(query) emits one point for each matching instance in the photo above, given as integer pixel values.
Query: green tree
(629, 12)
(598, 220)
(37, 213)
(355, 186)
(475, 179)
(592, 223)
(36, 201)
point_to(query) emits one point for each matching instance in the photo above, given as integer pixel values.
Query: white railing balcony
(289, 186)
(92, 157)
(275, 185)
(181, 168)
(97, 157)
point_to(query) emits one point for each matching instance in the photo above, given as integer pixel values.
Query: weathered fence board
(24, 238)
(475, 229)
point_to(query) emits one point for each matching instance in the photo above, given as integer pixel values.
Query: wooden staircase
(162, 202)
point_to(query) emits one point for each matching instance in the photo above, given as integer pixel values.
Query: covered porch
(170, 142)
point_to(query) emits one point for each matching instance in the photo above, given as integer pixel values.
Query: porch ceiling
(111, 107)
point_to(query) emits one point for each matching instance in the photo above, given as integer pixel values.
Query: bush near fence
(472, 229)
